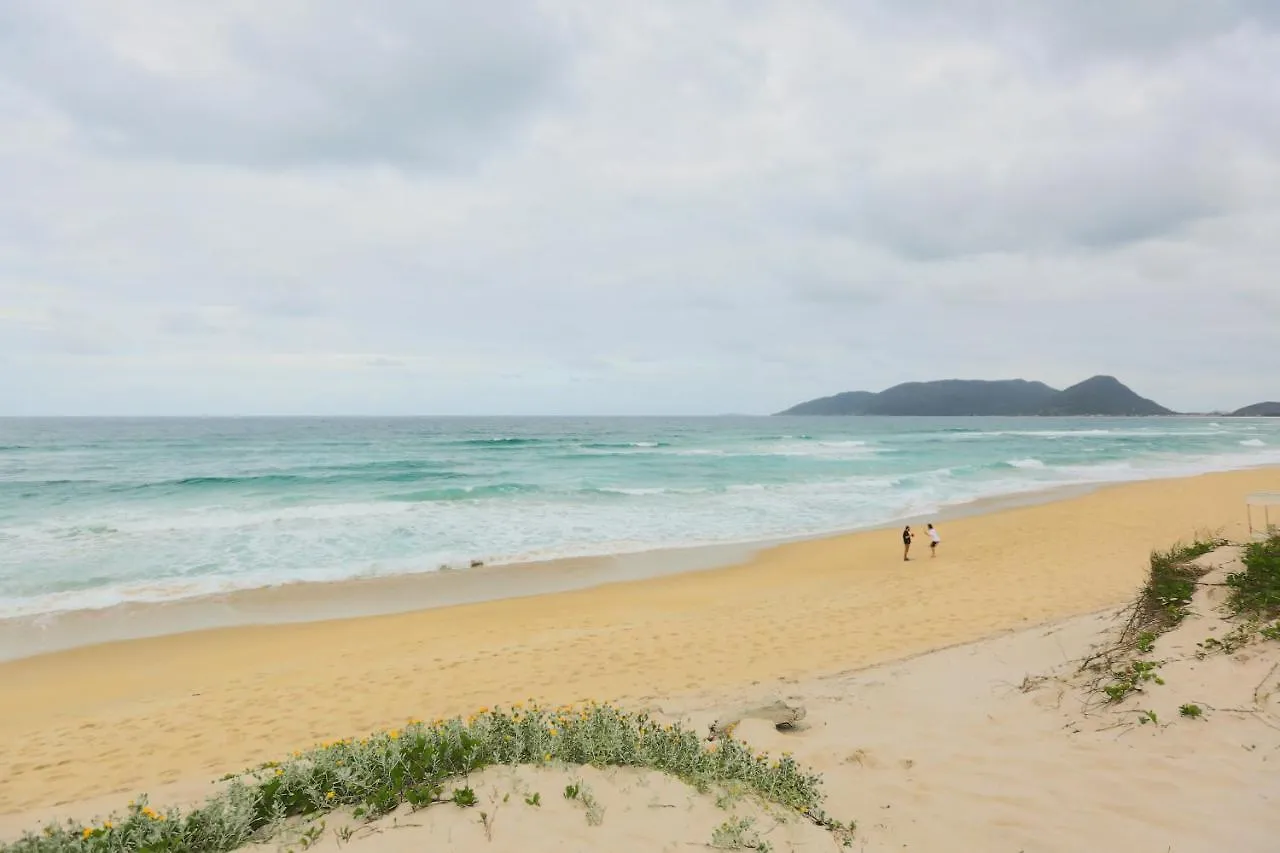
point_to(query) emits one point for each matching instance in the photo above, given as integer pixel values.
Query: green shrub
(739, 834)
(1165, 600)
(1131, 678)
(377, 774)
(1255, 592)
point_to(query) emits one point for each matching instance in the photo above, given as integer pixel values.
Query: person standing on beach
(906, 542)
(934, 539)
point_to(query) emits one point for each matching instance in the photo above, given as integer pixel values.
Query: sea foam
(95, 513)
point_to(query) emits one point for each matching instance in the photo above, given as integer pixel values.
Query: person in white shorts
(934, 539)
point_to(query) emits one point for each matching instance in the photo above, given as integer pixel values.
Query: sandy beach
(82, 729)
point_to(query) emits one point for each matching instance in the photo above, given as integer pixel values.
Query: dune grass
(1160, 606)
(1165, 599)
(1255, 592)
(417, 765)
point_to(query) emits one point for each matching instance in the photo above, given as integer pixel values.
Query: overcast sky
(668, 207)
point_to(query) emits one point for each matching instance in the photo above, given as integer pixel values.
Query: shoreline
(300, 602)
(137, 715)
(121, 610)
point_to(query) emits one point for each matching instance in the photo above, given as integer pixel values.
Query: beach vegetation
(417, 765)
(595, 811)
(580, 792)
(1148, 716)
(1191, 712)
(1255, 592)
(731, 794)
(739, 834)
(1165, 599)
(1160, 605)
(311, 835)
(1230, 642)
(1130, 679)
(1253, 599)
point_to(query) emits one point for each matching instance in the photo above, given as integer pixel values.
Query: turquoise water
(95, 512)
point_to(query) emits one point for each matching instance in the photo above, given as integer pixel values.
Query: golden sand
(132, 715)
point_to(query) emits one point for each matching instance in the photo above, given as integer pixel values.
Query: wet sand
(26, 636)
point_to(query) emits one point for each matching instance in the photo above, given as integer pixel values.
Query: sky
(670, 207)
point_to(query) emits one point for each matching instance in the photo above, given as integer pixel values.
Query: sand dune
(955, 750)
(997, 745)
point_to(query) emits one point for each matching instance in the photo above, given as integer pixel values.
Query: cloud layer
(573, 207)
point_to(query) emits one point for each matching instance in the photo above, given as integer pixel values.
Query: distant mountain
(848, 403)
(1258, 410)
(962, 397)
(1101, 395)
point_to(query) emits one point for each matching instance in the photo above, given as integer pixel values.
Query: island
(1270, 409)
(1099, 395)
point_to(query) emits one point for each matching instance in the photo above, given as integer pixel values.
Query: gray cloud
(571, 207)
(1087, 30)
(288, 83)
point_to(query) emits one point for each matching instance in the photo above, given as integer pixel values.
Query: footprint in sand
(862, 758)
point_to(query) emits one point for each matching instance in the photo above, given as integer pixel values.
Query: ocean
(98, 512)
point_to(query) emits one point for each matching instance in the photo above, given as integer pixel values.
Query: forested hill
(1100, 395)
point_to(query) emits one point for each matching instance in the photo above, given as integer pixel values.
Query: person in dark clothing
(906, 542)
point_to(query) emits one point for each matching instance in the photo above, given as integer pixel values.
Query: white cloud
(671, 207)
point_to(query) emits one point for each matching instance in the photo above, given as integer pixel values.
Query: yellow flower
(330, 795)
(546, 757)
(107, 825)
(279, 772)
(552, 731)
(483, 710)
(88, 833)
(393, 734)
